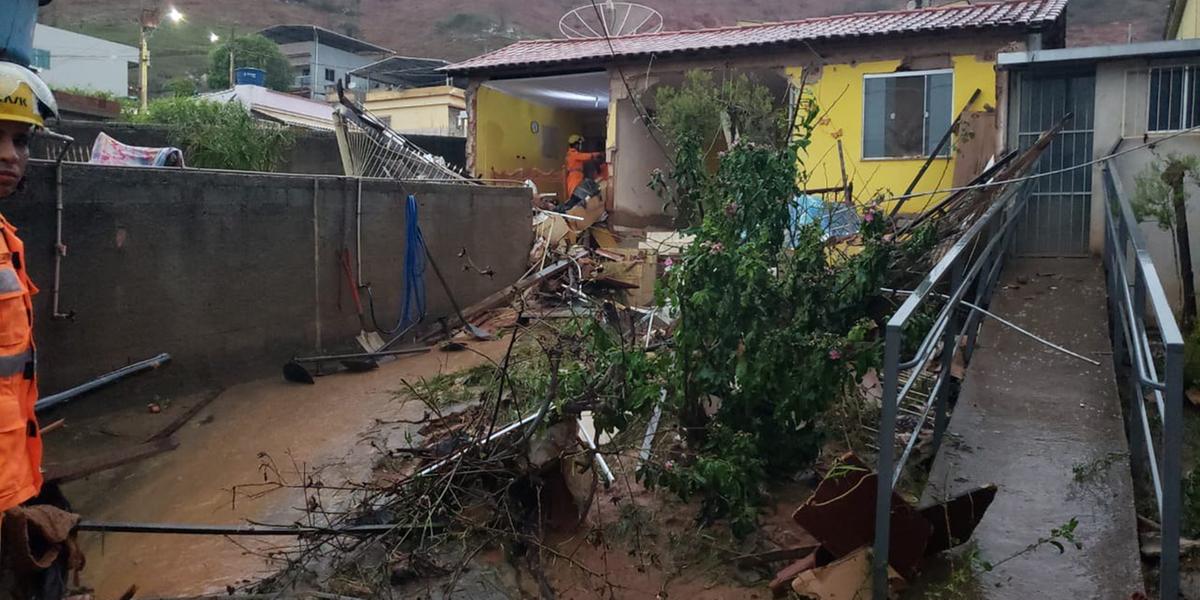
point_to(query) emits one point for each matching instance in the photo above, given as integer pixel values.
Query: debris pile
(840, 517)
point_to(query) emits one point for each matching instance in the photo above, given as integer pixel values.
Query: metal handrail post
(1171, 474)
(949, 347)
(887, 435)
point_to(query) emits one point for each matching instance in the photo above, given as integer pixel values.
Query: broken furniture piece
(840, 516)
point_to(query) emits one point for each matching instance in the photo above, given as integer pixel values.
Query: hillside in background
(457, 29)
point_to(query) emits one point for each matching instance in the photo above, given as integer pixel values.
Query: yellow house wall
(839, 94)
(415, 118)
(504, 140)
(1189, 24)
(417, 110)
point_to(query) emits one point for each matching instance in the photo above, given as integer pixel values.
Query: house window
(330, 75)
(1174, 98)
(41, 58)
(906, 114)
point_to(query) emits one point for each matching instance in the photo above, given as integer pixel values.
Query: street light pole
(147, 24)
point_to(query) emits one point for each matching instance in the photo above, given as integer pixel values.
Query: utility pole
(147, 23)
(232, 37)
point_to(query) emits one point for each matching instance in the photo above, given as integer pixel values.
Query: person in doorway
(36, 542)
(576, 159)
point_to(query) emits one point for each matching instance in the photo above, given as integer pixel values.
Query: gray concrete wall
(221, 269)
(314, 152)
(1122, 92)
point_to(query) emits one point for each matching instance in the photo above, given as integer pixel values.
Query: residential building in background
(66, 59)
(1183, 20)
(320, 57)
(412, 95)
(889, 86)
(438, 110)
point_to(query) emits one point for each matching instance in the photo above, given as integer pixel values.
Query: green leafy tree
(769, 334)
(1160, 196)
(219, 135)
(253, 51)
(181, 87)
(700, 118)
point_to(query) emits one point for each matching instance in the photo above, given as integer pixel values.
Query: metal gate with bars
(1057, 218)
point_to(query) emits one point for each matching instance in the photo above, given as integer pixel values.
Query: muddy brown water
(325, 429)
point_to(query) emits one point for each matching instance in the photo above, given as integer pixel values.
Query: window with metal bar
(906, 114)
(1174, 98)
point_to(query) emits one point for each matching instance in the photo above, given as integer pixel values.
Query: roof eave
(598, 63)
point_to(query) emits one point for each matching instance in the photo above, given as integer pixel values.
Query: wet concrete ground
(1047, 429)
(285, 430)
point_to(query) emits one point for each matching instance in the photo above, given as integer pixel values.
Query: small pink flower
(669, 465)
(835, 354)
(668, 263)
(717, 247)
(869, 216)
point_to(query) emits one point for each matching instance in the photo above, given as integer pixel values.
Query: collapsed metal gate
(1057, 220)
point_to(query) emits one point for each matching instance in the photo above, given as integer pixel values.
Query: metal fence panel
(1058, 219)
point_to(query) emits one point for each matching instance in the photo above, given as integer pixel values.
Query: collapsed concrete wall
(314, 152)
(221, 270)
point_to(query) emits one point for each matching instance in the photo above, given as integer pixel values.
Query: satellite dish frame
(610, 6)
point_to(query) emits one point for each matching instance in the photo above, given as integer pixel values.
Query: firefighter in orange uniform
(37, 546)
(576, 158)
(25, 101)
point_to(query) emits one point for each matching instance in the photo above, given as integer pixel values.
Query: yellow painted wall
(420, 110)
(1189, 24)
(839, 94)
(504, 140)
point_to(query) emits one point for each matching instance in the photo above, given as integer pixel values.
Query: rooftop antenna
(609, 19)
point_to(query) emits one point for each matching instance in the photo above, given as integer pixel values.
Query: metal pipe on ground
(133, 369)
(295, 371)
(250, 530)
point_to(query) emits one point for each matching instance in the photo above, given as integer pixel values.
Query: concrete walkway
(1047, 429)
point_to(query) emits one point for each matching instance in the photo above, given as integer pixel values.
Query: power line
(1047, 173)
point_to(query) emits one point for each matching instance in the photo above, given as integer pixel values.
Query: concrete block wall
(221, 269)
(314, 152)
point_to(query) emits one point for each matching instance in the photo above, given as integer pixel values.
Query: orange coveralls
(20, 438)
(574, 175)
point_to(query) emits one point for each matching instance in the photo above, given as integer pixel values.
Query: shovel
(369, 340)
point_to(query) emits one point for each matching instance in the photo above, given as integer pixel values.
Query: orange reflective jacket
(20, 439)
(574, 175)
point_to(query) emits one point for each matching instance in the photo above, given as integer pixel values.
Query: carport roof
(1028, 15)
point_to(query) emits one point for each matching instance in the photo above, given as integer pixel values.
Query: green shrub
(769, 334)
(217, 135)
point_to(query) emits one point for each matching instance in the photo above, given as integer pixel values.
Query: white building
(66, 59)
(320, 57)
(278, 107)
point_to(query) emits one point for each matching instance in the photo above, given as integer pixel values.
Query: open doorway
(524, 127)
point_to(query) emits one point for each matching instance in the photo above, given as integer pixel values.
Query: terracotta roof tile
(1021, 14)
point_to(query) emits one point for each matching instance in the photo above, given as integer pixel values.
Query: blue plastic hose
(413, 308)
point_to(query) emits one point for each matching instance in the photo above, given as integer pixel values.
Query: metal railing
(1134, 294)
(967, 273)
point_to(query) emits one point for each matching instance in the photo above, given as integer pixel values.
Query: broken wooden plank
(505, 295)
